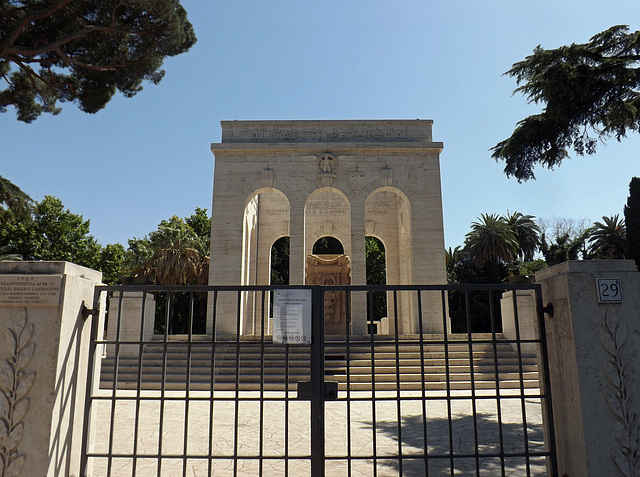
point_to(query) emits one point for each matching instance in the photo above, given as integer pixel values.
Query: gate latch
(330, 390)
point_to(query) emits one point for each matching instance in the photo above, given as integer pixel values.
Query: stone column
(133, 319)
(44, 348)
(527, 326)
(594, 360)
(297, 253)
(358, 269)
(226, 260)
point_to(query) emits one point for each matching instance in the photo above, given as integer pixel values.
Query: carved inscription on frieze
(311, 135)
(277, 211)
(30, 290)
(357, 175)
(327, 207)
(378, 207)
(297, 176)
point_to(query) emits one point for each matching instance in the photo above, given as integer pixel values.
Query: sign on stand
(292, 316)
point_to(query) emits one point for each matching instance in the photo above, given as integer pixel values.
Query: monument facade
(312, 179)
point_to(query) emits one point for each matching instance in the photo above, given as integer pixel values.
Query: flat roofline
(238, 122)
(324, 146)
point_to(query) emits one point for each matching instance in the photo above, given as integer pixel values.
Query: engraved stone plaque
(30, 290)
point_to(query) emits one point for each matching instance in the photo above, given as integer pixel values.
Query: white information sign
(609, 290)
(292, 316)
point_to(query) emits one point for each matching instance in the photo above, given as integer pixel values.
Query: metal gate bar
(116, 399)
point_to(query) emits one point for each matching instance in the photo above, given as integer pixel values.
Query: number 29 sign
(609, 290)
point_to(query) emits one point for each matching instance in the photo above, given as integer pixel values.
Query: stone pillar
(226, 259)
(527, 325)
(297, 253)
(131, 317)
(594, 360)
(44, 348)
(358, 269)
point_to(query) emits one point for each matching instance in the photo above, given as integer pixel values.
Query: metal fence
(454, 381)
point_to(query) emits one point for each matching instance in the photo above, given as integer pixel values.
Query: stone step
(408, 386)
(265, 365)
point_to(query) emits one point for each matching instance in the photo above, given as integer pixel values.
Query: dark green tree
(174, 254)
(480, 305)
(6, 253)
(328, 245)
(15, 205)
(590, 92)
(53, 233)
(84, 51)
(111, 262)
(491, 241)
(376, 271)
(280, 261)
(608, 239)
(564, 239)
(375, 261)
(452, 260)
(527, 234)
(200, 223)
(632, 220)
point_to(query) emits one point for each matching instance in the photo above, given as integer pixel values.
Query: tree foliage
(607, 239)
(280, 261)
(15, 205)
(564, 239)
(590, 92)
(375, 258)
(376, 270)
(53, 233)
(632, 220)
(174, 254)
(491, 239)
(84, 51)
(111, 263)
(526, 232)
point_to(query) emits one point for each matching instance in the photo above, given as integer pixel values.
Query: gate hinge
(87, 312)
(547, 309)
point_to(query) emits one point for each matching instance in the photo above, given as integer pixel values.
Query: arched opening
(328, 265)
(327, 246)
(376, 269)
(265, 221)
(388, 218)
(280, 262)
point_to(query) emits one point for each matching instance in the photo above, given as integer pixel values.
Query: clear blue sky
(144, 159)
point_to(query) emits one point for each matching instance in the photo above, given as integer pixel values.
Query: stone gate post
(594, 358)
(44, 347)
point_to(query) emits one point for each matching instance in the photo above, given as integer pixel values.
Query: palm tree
(172, 255)
(491, 240)
(452, 257)
(527, 234)
(608, 238)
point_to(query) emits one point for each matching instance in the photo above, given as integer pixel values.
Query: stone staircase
(268, 366)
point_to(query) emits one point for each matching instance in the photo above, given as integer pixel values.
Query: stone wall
(594, 360)
(345, 179)
(44, 342)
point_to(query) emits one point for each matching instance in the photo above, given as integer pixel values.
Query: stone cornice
(334, 147)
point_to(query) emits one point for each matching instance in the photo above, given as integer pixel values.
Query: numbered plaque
(609, 290)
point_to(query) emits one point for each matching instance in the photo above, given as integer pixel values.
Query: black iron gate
(435, 387)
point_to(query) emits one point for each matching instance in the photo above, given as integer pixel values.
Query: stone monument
(312, 179)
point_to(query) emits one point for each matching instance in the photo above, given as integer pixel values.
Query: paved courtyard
(286, 432)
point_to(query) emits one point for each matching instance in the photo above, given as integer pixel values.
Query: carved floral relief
(15, 384)
(622, 394)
